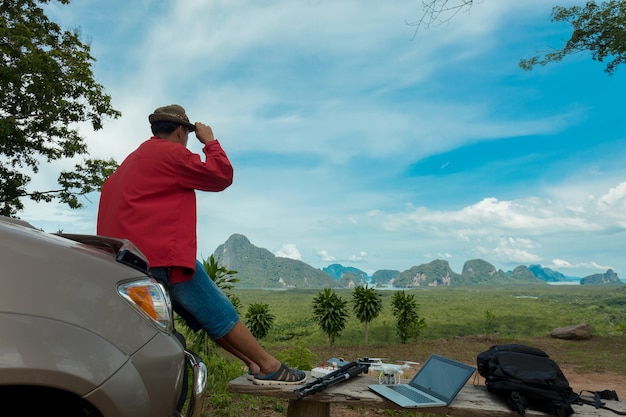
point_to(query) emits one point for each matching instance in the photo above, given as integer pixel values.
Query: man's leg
(241, 343)
(201, 297)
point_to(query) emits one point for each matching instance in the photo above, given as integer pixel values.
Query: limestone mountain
(384, 276)
(347, 276)
(609, 277)
(432, 274)
(523, 274)
(259, 268)
(547, 274)
(475, 272)
(478, 271)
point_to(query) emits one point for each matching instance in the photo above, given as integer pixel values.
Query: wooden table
(472, 401)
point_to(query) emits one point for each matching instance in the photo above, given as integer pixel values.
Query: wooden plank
(472, 401)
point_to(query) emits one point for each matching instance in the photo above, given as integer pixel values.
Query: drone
(331, 365)
(389, 373)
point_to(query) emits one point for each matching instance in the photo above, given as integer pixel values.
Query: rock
(575, 332)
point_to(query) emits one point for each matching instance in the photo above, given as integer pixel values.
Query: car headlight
(151, 300)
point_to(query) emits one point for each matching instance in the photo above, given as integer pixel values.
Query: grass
(461, 322)
(514, 311)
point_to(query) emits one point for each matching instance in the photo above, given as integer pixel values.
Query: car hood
(50, 276)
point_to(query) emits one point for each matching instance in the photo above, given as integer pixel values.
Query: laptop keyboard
(412, 394)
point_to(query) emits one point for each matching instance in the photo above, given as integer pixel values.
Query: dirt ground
(597, 382)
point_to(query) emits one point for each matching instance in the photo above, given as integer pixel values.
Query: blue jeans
(200, 302)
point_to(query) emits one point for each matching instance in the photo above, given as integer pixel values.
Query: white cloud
(514, 250)
(527, 216)
(614, 199)
(325, 256)
(289, 250)
(560, 264)
(358, 257)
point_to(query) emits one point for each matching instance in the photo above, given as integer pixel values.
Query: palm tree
(404, 308)
(330, 312)
(259, 319)
(223, 278)
(367, 306)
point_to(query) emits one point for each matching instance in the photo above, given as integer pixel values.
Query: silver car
(86, 331)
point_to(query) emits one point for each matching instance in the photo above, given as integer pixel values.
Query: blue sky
(358, 140)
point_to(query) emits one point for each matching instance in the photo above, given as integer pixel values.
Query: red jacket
(151, 200)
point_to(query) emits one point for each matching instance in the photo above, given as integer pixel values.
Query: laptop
(436, 384)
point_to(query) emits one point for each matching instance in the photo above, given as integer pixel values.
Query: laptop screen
(442, 377)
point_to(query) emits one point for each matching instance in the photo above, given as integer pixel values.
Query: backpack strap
(598, 396)
(562, 408)
(518, 403)
(606, 394)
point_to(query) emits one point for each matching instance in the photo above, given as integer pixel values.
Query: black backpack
(527, 378)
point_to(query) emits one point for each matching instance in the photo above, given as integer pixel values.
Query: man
(151, 201)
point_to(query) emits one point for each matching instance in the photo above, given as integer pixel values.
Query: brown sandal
(283, 376)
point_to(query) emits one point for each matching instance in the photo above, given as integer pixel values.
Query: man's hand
(204, 133)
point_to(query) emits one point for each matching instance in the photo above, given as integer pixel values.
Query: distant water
(574, 282)
(388, 287)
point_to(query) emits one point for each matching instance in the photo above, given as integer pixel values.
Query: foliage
(293, 329)
(489, 322)
(521, 310)
(47, 89)
(367, 306)
(299, 357)
(221, 370)
(235, 301)
(331, 313)
(404, 308)
(219, 400)
(599, 29)
(259, 319)
(199, 341)
(223, 278)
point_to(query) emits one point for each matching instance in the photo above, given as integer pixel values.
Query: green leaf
(47, 88)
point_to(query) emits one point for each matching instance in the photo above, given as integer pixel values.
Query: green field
(460, 323)
(507, 311)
